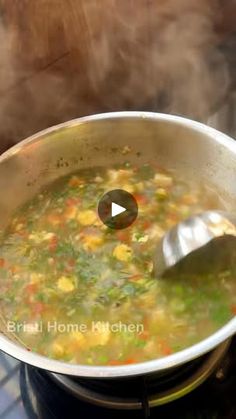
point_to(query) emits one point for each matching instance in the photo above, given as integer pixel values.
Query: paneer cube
(92, 242)
(122, 252)
(78, 338)
(65, 284)
(57, 349)
(87, 217)
(162, 180)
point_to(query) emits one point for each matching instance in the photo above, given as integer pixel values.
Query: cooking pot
(190, 147)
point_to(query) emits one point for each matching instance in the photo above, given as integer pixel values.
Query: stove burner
(215, 399)
(144, 392)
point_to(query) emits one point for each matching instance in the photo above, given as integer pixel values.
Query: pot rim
(155, 365)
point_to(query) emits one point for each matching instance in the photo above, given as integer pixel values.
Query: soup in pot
(75, 290)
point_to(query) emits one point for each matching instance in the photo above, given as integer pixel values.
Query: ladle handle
(190, 235)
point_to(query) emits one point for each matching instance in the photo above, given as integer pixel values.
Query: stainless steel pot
(190, 147)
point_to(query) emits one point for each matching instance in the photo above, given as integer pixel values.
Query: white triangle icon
(116, 209)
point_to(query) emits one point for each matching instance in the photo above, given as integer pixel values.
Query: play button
(117, 209)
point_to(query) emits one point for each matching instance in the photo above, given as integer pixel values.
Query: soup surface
(74, 290)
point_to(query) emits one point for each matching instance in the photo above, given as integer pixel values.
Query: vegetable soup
(74, 290)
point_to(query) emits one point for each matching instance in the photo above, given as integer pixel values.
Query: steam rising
(63, 59)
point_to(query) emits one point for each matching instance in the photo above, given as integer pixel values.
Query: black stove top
(214, 399)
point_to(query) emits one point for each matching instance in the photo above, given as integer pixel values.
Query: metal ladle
(202, 243)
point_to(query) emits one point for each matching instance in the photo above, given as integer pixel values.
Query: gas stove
(27, 392)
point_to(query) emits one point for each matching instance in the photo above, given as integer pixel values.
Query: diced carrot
(22, 233)
(2, 262)
(73, 201)
(146, 225)
(31, 288)
(54, 218)
(70, 212)
(233, 309)
(38, 307)
(14, 269)
(71, 262)
(165, 348)
(75, 181)
(53, 243)
(129, 361)
(114, 362)
(70, 265)
(144, 335)
(123, 236)
(141, 199)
